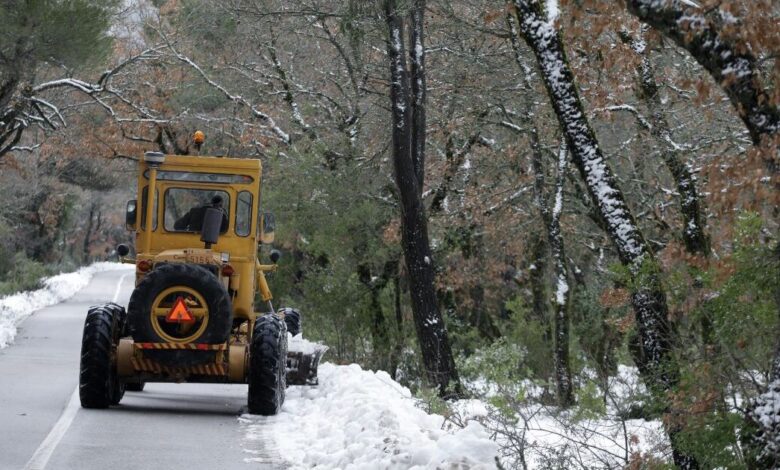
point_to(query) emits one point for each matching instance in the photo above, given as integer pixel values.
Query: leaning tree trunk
(661, 372)
(552, 222)
(694, 233)
(730, 63)
(408, 153)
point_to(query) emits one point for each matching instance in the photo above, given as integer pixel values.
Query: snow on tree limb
(653, 354)
(238, 99)
(730, 63)
(28, 107)
(585, 150)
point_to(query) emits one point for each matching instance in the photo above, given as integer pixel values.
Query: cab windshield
(185, 208)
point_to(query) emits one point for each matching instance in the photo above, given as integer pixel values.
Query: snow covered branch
(238, 99)
(653, 354)
(28, 105)
(731, 63)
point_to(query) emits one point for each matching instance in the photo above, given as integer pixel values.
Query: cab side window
(243, 213)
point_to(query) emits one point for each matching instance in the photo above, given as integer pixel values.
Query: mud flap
(303, 358)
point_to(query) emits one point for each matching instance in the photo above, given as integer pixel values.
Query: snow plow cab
(192, 314)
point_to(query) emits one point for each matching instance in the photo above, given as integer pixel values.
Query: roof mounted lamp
(198, 138)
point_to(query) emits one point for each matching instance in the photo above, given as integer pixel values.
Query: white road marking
(43, 453)
(119, 286)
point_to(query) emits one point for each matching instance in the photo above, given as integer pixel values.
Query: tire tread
(267, 359)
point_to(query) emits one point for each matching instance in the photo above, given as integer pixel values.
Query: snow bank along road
(355, 419)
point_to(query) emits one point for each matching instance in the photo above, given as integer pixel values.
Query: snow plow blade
(303, 358)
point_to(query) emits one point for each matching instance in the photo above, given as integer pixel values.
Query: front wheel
(292, 319)
(98, 383)
(267, 359)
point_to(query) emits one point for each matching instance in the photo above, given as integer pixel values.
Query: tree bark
(431, 332)
(551, 219)
(730, 63)
(419, 89)
(648, 298)
(694, 234)
(399, 324)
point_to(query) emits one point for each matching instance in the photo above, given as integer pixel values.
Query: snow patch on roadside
(358, 419)
(298, 343)
(16, 307)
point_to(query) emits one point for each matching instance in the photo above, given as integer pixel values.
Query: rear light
(227, 270)
(144, 265)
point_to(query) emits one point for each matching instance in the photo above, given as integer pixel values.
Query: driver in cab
(192, 221)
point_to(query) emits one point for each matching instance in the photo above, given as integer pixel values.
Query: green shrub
(25, 274)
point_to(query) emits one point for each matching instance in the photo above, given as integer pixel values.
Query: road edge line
(43, 453)
(119, 286)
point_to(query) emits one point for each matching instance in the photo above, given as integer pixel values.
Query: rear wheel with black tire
(267, 359)
(98, 383)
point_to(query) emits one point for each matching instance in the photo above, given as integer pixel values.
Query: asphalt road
(167, 426)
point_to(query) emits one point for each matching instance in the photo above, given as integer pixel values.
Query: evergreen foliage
(43, 31)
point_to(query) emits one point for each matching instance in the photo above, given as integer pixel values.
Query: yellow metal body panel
(156, 244)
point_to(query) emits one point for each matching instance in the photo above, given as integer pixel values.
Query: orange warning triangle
(179, 313)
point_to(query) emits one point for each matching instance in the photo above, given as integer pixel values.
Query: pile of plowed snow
(15, 308)
(358, 419)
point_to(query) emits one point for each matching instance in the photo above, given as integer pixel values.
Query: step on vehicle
(192, 315)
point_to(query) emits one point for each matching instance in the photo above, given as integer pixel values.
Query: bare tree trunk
(730, 63)
(419, 89)
(648, 298)
(88, 233)
(552, 222)
(551, 219)
(694, 234)
(562, 290)
(409, 173)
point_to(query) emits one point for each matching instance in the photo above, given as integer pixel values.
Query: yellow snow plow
(192, 317)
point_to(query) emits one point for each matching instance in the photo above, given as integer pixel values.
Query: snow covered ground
(358, 419)
(15, 308)
(597, 433)
(362, 419)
